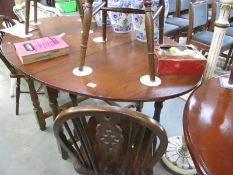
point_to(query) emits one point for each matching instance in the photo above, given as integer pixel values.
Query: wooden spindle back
(110, 140)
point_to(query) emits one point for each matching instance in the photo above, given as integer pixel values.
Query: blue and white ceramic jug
(139, 19)
(121, 22)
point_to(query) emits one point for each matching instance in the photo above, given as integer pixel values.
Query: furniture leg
(158, 107)
(230, 62)
(74, 101)
(50, 2)
(53, 94)
(80, 9)
(36, 104)
(139, 107)
(27, 14)
(35, 11)
(149, 25)
(104, 20)
(17, 95)
(85, 34)
(229, 55)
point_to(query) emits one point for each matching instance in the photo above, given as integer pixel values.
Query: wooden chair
(183, 7)
(149, 25)
(165, 28)
(173, 18)
(4, 23)
(197, 32)
(110, 140)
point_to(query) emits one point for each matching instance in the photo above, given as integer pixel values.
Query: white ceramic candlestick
(220, 28)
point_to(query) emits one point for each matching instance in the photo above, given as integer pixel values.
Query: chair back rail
(110, 140)
(198, 18)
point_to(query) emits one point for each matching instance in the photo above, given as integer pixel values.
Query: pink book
(41, 49)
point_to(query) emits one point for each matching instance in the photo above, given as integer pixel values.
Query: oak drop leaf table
(117, 67)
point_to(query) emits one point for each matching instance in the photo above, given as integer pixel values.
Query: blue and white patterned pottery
(121, 22)
(98, 16)
(139, 20)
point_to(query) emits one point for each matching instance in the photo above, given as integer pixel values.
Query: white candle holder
(145, 80)
(81, 73)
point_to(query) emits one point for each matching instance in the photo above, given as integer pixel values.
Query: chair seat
(229, 31)
(169, 28)
(185, 16)
(206, 38)
(181, 22)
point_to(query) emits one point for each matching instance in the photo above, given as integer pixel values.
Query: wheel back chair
(110, 140)
(197, 32)
(149, 25)
(6, 22)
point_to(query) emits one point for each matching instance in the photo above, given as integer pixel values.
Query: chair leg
(104, 21)
(17, 95)
(85, 35)
(149, 25)
(139, 106)
(27, 13)
(227, 59)
(80, 9)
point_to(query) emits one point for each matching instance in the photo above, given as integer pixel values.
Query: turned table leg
(158, 107)
(53, 94)
(74, 100)
(36, 104)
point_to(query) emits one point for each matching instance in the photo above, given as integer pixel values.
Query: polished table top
(117, 65)
(208, 128)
